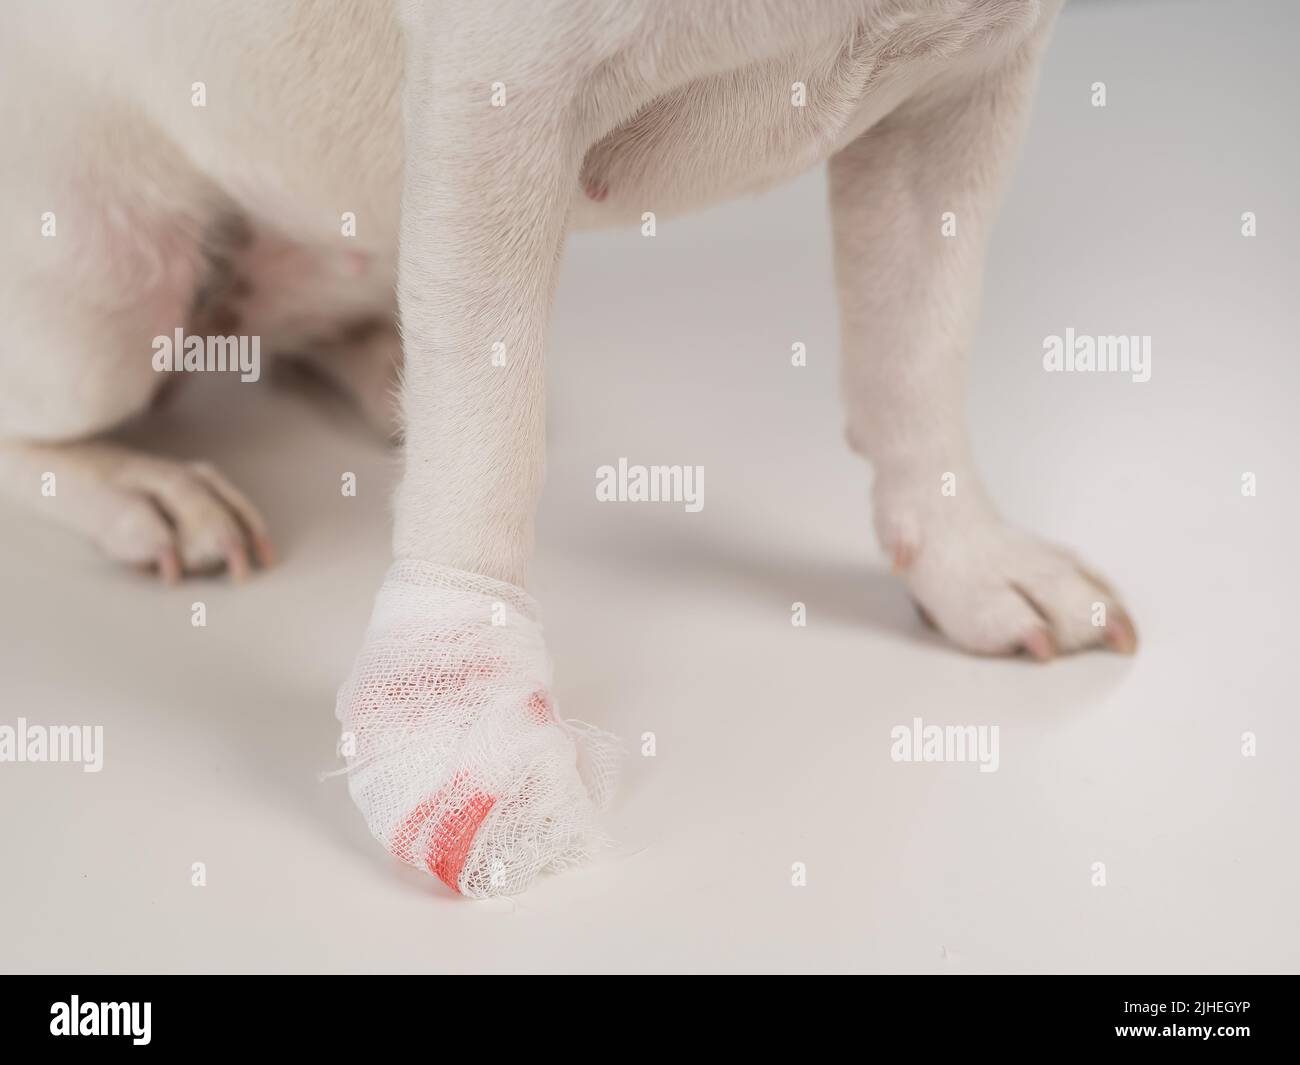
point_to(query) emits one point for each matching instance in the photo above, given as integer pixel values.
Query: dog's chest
(767, 121)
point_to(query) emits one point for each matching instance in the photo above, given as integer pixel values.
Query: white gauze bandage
(455, 754)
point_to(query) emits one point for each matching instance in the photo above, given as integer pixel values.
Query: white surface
(773, 742)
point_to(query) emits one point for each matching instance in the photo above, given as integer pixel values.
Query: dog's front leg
(456, 755)
(909, 277)
(483, 213)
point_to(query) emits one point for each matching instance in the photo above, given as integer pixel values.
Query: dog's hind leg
(141, 509)
(79, 306)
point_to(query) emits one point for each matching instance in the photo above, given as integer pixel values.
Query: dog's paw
(156, 513)
(992, 589)
(456, 757)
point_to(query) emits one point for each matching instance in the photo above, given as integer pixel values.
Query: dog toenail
(1119, 634)
(1040, 645)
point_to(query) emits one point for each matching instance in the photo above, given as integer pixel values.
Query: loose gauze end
(459, 763)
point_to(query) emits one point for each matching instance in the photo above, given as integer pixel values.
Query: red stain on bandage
(540, 710)
(463, 810)
(452, 836)
(409, 697)
(449, 820)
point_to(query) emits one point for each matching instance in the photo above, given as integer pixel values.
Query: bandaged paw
(456, 757)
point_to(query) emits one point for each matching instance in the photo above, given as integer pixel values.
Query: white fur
(612, 109)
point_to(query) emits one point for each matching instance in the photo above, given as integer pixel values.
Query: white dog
(243, 167)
